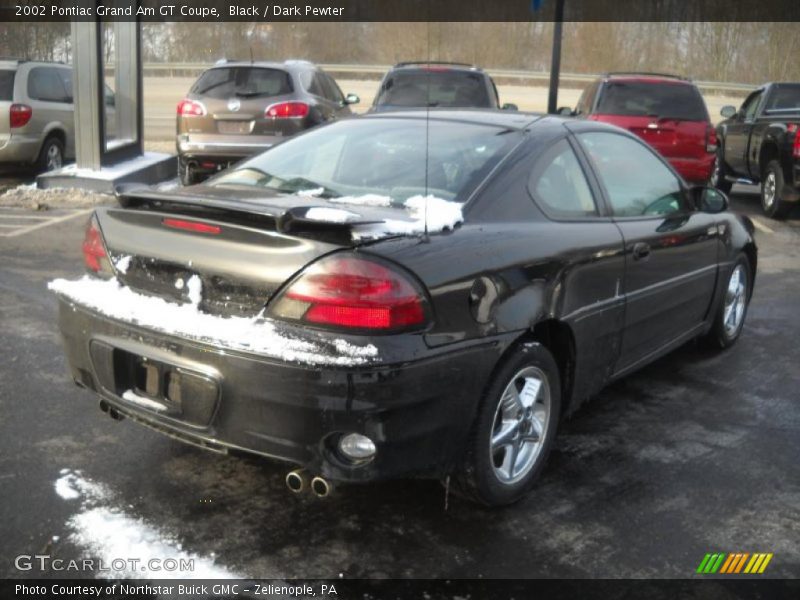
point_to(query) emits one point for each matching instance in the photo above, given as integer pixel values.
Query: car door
(69, 125)
(670, 248)
(737, 134)
(51, 102)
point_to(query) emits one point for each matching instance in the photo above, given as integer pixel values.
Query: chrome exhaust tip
(321, 487)
(297, 481)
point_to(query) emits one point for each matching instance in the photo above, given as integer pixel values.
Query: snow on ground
(256, 334)
(107, 533)
(30, 197)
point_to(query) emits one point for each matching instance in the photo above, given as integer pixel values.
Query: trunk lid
(673, 138)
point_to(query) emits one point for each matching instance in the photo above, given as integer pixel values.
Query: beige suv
(36, 114)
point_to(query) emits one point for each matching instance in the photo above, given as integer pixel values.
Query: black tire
(479, 479)
(772, 184)
(722, 335)
(51, 156)
(186, 173)
(719, 173)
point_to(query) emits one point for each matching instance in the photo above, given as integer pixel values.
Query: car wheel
(514, 429)
(51, 156)
(186, 173)
(732, 311)
(771, 188)
(718, 174)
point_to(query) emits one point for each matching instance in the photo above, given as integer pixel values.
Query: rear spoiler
(319, 216)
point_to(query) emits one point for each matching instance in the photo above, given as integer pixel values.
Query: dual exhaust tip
(298, 481)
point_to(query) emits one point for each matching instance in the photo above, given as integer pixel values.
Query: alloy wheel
(520, 424)
(735, 298)
(54, 159)
(770, 187)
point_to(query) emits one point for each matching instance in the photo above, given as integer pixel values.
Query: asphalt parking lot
(697, 453)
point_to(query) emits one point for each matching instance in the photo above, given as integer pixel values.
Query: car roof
(420, 65)
(9, 62)
(510, 119)
(646, 76)
(264, 64)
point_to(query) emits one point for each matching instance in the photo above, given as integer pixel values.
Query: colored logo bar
(734, 563)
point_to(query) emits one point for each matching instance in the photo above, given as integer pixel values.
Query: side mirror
(728, 111)
(509, 106)
(351, 99)
(566, 111)
(709, 199)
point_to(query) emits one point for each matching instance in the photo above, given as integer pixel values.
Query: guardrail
(194, 69)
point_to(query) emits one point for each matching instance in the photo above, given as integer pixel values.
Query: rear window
(242, 81)
(435, 88)
(7, 85)
(643, 99)
(784, 98)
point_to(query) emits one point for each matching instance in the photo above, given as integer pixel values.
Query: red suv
(666, 111)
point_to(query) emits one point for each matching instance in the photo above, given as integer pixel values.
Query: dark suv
(666, 111)
(237, 109)
(436, 84)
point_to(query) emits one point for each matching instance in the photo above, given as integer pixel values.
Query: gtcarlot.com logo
(734, 563)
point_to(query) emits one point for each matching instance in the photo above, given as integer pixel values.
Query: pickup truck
(760, 144)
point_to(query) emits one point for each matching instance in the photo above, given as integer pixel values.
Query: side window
(559, 186)
(317, 86)
(637, 182)
(45, 84)
(334, 93)
(751, 105)
(66, 80)
(584, 106)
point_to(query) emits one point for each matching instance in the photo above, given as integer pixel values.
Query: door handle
(641, 251)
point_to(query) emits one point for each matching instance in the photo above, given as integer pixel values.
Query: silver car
(38, 126)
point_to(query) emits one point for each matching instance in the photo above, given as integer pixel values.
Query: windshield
(7, 85)
(646, 99)
(461, 89)
(227, 82)
(378, 156)
(785, 97)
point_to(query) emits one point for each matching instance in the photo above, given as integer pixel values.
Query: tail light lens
(794, 128)
(94, 249)
(349, 292)
(287, 110)
(19, 115)
(191, 108)
(711, 139)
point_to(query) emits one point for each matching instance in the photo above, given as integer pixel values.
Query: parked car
(38, 128)
(666, 111)
(760, 144)
(436, 84)
(398, 295)
(237, 109)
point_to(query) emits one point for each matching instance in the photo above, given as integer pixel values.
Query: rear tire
(771, 188)
(719, 173)
(51, 156)
(732, 311)
(514, 429)
(186, 173)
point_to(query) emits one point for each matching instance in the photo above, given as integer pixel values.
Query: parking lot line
(761, 226)
(20, 229)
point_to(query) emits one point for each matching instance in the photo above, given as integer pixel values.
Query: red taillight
(794, 128)
(94, 250)
(190, 108)
(711, 139)
(195, 226)
(287, 110)
(19, 115)
(354, 293)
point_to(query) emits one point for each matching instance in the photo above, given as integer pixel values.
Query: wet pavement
(697, 453)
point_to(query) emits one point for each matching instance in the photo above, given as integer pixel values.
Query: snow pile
(365, 200)
(330, 215)
(256, 334)
(108, 533)
(313, 193)
(30, 197)
(440, 214)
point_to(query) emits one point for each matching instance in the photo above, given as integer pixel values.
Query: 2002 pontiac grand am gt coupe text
(403, 296)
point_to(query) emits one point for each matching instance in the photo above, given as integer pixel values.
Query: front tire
(732, 311)
(771, 188)
(514, 429)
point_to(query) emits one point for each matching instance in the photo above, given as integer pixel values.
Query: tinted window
(44, 83)
(587, 99)
(7, 85)
(559, 184)
(636, 181)
(312, 82)
(784, 98)
(379, 156)
(334, 93)
(224, 83)
(434, 88)
(639, 98)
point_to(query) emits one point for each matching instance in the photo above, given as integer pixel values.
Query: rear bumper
(694, 170)
(223, 148)
(20, 149)
(418, 412)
